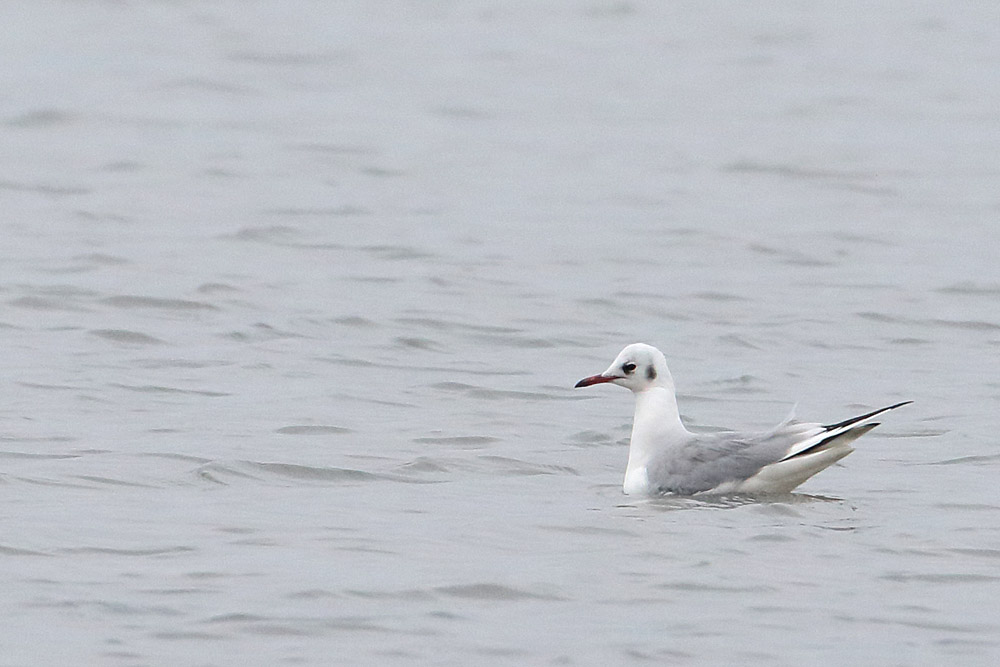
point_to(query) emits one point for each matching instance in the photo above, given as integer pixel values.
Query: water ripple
(973, 289)
(493, 592)
(16, 551)
(961, 460)
(130, 301)
(114, 551)
(488, 464)
(44, 188)
(225, 472)
(940, 577)
(970, 325)
(46, 303)
(462, 441)
(126, 336)
(500, 394)
(159, 389)
(312, 429)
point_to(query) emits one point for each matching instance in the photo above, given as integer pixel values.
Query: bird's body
(664, 457)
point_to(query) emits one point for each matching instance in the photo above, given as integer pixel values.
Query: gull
(664, 457)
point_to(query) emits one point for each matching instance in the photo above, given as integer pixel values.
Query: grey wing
(705, 461)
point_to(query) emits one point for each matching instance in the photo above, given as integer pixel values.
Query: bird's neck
(658, 405)
(656, 424)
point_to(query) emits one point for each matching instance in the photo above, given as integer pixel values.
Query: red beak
(594, 379)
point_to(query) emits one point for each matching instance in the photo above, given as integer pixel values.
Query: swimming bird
(664, 457)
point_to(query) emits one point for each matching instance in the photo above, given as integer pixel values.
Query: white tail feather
(788, 473)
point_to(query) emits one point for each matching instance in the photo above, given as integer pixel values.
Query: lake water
(294, 296)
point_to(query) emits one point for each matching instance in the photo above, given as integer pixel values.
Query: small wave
(172, 456)
(697, 586)
(739, 341)
(215, 288)
(284, 236)
(159, 389)
(909, 341)
(376, 280)
(228, 472)
(450, 325)
(490, 591)
(299, 626)
(366, 363)
(991, 554)
(971, 325)
(505, 394)
(857, 181)
(50, 482)
(412, 594)
(112, 551)
(740, 382)
(790, 257)
(520, 341)
(56, 387)
(591, 530)
(973, 289)
(718, 296)
(284, 59)
(914, 433)
(235, 617)
(424, 464)
(796, 171)
(417, 343)
(312, 429)
(968, 325)
(126, 336)
(110, 481)
(774, 503)
(44, 188)
(274, 234)
(509, 466)
(17, 551)
(173, 362)
(961, 460)
(355, 321)
(187, 635)
(31, 456)
(260, 471)
(463, 441)
(592, 438)
(485, 464)
(940, 578)
(332, 149)
(322, 212)
(260, 333)
(974, 507)
(46, 303)
(382, 172)
(42, 118)
(196, 83)
(131, 301)
(101, 259)
(396, 252)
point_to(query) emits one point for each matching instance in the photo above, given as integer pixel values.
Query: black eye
(629, 368)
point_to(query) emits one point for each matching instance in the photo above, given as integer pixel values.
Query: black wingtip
(822, 444)
(855, 420)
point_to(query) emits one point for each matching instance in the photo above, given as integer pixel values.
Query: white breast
(636, 481)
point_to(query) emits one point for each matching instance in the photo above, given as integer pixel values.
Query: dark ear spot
(650, 373)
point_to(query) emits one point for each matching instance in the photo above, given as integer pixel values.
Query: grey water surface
(293, 296)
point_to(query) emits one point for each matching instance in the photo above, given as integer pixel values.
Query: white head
(638, 367)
